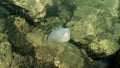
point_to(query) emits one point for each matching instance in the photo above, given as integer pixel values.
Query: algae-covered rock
(36, 8)
(20, 61)
(100, 64)
(21, 25)
(5, 45)
(61, 56)
(117, 32)
(54, 55)
(3, 12)
(103, 48)
(3, 15)
(18, 28)
(36, 37)
(91, 20)
(3, 36)
(45, 14)
(95, 20)
(92, 23)
(60, 13)
(5, 54)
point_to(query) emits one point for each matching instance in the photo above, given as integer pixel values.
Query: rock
(61, 56)
(36, 37)
(103, 48)
(5, 45)
(36, 8)
(92, 24)
(5, 54)
(19, 61)
(18, 28)
(89, 20)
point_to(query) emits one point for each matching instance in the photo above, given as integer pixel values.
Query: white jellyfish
(59, 35)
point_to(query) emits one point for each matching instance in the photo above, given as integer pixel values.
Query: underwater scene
(59, 33)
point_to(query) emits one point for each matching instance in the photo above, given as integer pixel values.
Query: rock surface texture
(93, 26)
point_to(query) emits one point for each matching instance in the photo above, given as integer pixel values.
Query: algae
(94, 28)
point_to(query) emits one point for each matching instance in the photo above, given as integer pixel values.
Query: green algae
(92, 24)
